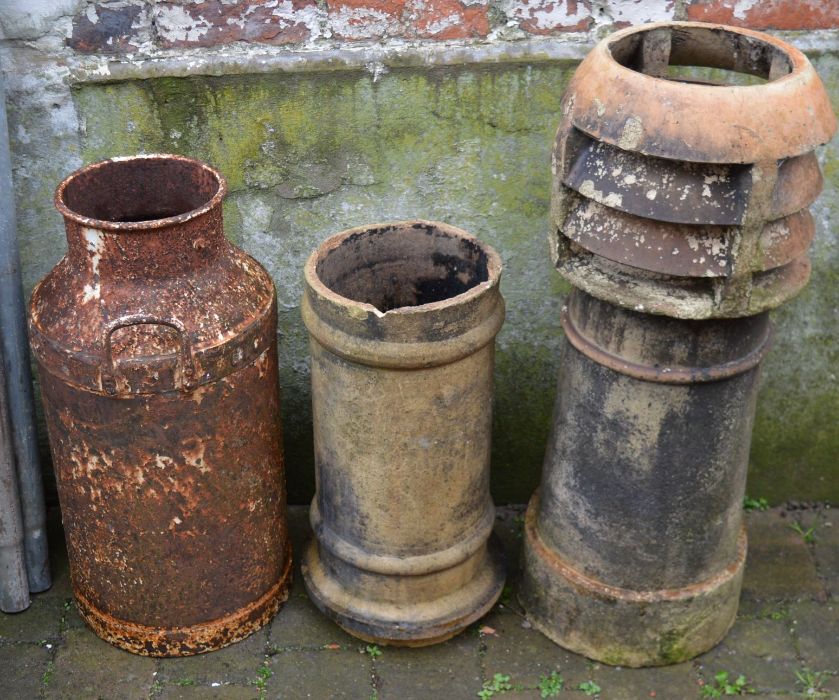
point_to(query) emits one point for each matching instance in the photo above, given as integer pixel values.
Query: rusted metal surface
(635, 549)
(686, 179)
(156, 347)
(402, 320)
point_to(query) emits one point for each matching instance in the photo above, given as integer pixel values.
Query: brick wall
(122, 26)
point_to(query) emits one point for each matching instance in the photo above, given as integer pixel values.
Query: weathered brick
(110, 27)
(449, 19)
(551, 16)
(626, 13)
(412, 19)
(213, 22)
(365, 19)
(767, 14)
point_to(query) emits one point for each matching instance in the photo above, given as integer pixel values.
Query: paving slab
(71, 619)
(817, 630)
(299, 624)
(667, 683)
(199, 692)
(236, 664)
(826, 551)
(786, 623)
(22, 667)
(780, 565)
(762, 650)
(327, 673)
(519, 651)
(87, 667)
(451, 670)
(41, 621)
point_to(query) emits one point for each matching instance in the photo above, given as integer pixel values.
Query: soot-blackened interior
(393, 267)
(144, 189)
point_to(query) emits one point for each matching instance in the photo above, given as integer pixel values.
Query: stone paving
(785, 642)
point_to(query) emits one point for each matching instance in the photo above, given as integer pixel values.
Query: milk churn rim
(129, 226)
(494, 268)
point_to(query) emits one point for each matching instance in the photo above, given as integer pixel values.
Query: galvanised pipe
(14, 586)
(157, 352)
(19, 376)
(402, 320)
(679, 212)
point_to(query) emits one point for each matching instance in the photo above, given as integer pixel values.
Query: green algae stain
(309, 155)
(795, 444)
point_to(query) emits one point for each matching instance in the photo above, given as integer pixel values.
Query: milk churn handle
(185, 359)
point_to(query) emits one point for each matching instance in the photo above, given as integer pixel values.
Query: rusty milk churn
(402, 320)
(156, 346)
(680, 215)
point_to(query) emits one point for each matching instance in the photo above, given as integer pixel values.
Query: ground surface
(785, 642)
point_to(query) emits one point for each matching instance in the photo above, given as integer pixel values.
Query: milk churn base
(623, 627)
(194, 639)
(417, 625)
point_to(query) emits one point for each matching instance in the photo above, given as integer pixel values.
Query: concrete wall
(330, 114)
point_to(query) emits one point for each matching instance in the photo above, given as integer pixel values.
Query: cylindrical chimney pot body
(679, 212)
(402, 320)
(156, 347)
(634, 545)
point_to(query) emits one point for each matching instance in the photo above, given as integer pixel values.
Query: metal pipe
(19, 375)
(14, 587)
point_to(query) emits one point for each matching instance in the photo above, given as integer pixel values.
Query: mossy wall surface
(308, 155)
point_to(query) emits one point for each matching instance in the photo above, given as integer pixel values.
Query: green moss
(795, 442)
(309, 155)
(671, 647)
(522, 417)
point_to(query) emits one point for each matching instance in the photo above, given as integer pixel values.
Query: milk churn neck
(149, 213)
(140, 193)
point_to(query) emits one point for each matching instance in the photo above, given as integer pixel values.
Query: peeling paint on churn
(156, 346)
(402, 320)
(679, 213)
